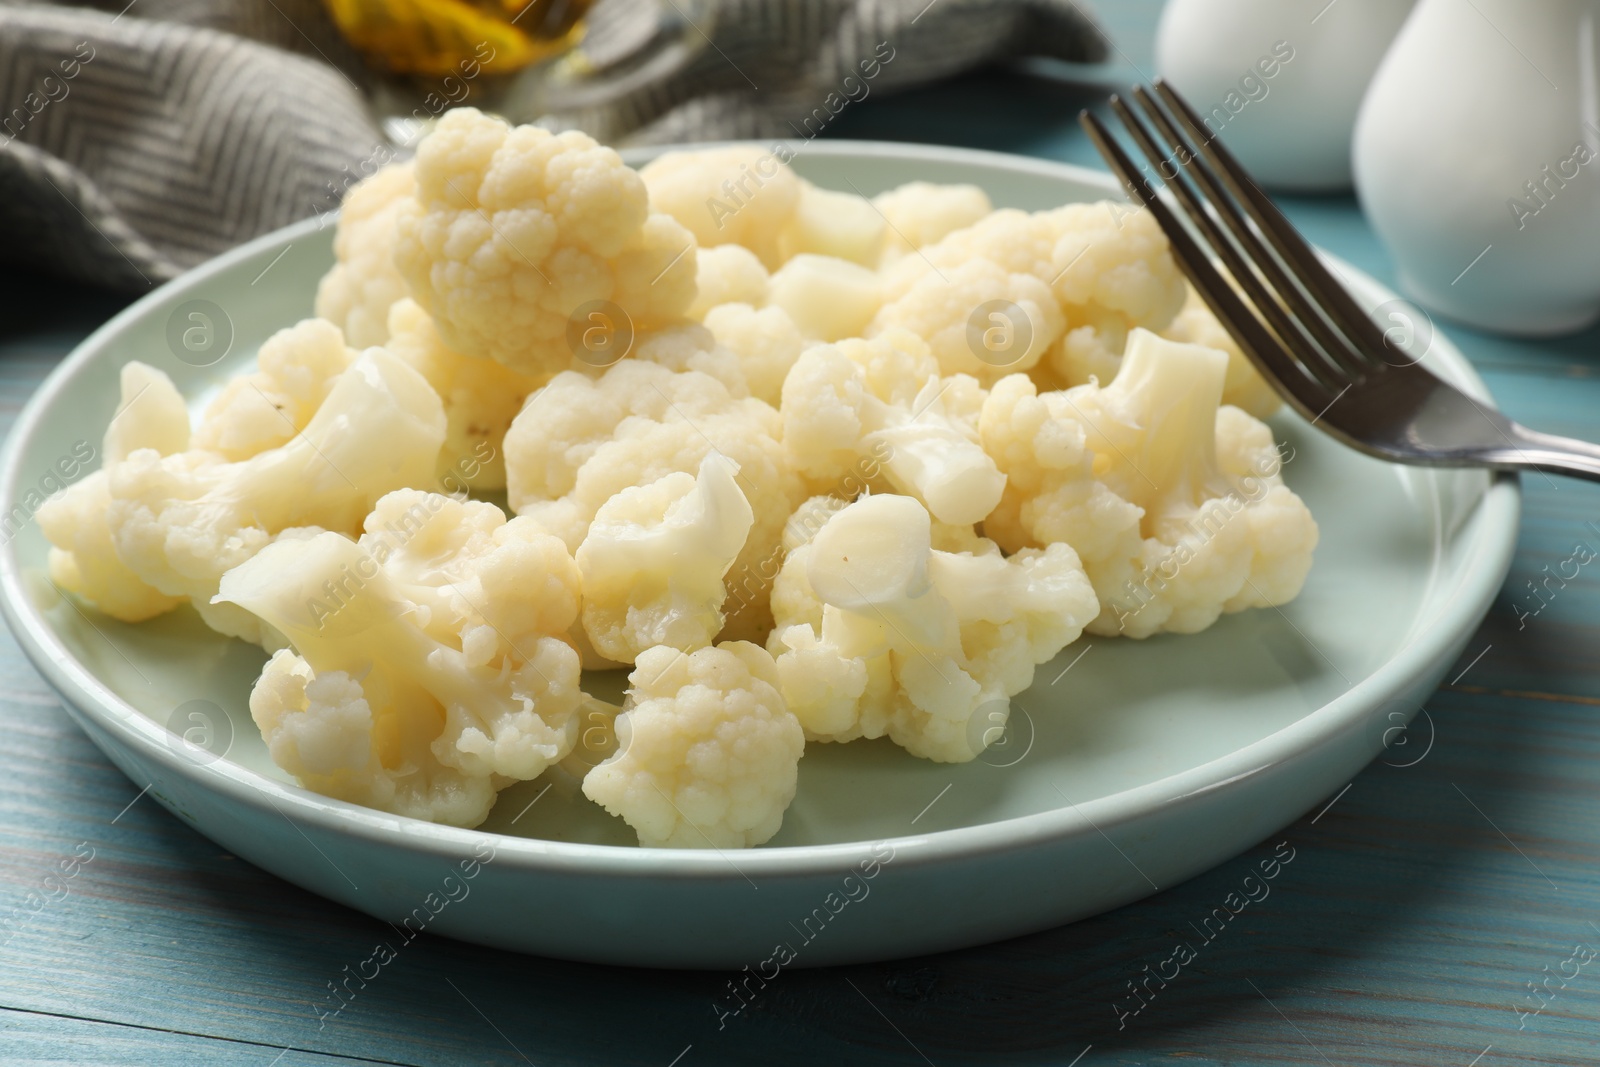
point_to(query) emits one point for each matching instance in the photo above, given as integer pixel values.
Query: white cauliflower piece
(727, 274)
(83, 561)
(582, 440)
(708, 754)
(742, 194)
(919, 643)
(1041, 444)
(1104, 253)
(766, 341)
(746, 195)
(1017, 319)
(1177, 508)
(512, 231)
(880, 405)
(1243, 387)
(1020, 242)
(1283, 533)
(296, 369)
(829, 299)
(777, 577)
(792, 597)
(321, 729)
(480, 398)
(1091, 350)
(689, 346)
(1114, 257)
(827, 223)
(429, 665)
(151, 413)
(919, 214)
(1113, 271)
(654, 559)
(357, 293)
(180, 521)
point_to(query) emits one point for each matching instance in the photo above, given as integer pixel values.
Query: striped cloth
(139, 139)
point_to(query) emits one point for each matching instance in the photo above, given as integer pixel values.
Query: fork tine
(1319, 364)
(1313, 328)
(1325, 290)
(1307, 395)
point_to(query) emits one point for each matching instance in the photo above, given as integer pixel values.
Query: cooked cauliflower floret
(83, 561)
(978, 319)
(881, 405)
(924, 645)
(829, 299)
(1051, 495)
(654, 559)
(842, 225)
(1108, 267)
(1244, 387)
(709, 755)
(1091, 349)
(357, 293)
(919, 214)
(582, 440)
(1113, 257)
(151, 413)
(1282, 532)
(513, 230)
(743, 195)
(1114, 271)
(1177, 509)
(321, 729)
(793, 600)
(690, 346)
(480, 398)
(296, 369)
(1021, 242)
(429, 666)
(180, 521)
(766, 342)
(727, 274)
(746, 195)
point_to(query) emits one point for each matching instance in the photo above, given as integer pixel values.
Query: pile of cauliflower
(812, 467)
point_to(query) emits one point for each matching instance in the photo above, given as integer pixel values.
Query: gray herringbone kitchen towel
(139, 139)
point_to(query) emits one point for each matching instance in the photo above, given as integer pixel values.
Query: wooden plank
(28, 1038)
(1404, 917)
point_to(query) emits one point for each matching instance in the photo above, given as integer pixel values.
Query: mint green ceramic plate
(1140, 766)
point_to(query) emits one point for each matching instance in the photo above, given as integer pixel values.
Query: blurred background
(139, 138)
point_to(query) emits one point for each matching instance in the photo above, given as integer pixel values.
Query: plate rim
(1459, 614)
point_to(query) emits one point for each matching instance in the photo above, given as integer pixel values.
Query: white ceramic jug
(1280, 80)
(1477, 159)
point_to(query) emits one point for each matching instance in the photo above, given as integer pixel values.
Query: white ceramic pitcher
(1477, 160)
(1279, 80)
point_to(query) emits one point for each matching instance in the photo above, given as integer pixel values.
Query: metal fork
(1303, 331)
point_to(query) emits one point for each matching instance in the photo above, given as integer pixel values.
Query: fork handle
(1532, 450)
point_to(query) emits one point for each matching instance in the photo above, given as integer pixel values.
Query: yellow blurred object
(443, 37)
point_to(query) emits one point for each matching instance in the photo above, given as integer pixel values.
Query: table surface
(1424, 903)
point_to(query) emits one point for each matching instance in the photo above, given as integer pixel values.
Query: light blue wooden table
(1423, 905)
